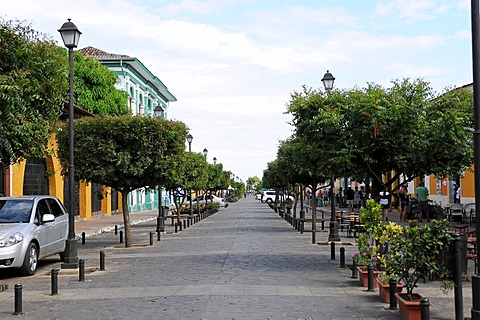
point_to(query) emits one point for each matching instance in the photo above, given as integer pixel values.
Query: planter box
(384, 290)
(409, 309)
(363, 276)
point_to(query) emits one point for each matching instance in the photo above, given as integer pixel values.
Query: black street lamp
(476, 144)
(214, 160)
(205, 152)
(189, 140)
(159, 112)
(328, 81)
(70, 36)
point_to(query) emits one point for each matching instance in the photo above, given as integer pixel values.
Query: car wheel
(30, 262)
(269, 200)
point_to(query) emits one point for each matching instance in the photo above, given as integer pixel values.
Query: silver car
(31, 228)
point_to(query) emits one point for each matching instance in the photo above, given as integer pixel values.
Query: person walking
(403, 196)
(422, 196)
(384, 201)
(350, 194)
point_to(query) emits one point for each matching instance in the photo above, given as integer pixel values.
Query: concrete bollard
(342, 257)
(102, 260)
(332, 250)
(54, 281)
(18, 299)
(370, 277)
(81, 270)
(425, 309)
(83, 238)
(393, 290)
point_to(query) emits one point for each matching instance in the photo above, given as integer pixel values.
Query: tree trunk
(126, 220)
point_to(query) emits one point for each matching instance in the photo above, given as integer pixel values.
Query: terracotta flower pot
(410, 309)
(384, 290)
(363, 276)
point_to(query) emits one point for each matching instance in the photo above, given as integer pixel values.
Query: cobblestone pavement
(244, 262)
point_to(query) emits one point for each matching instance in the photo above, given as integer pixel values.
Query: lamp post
(476, 144)
(205, 152)
(189, 140)
(70, 36)
(159, 112)
(214, 160)
(328, 81)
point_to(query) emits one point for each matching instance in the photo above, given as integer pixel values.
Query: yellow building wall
(85, 198)
(107, 200)
(18, 174)
(467, 187)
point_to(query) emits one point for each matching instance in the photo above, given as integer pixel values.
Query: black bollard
(188, 222)
(302, 228)
(184, 224)
(354, 270)
(176, 228)
(121, 236)
(18, 299)
(158, 224)
(342, 257)
(54, 281)
(425, 309)
(83, 238)
(332, 250)
(102, 260)
(151, 238)
(158, 235)
(393, 290)
(370, 277)
(180, 224)
(116, 229)
(81, 270)
(457, 276)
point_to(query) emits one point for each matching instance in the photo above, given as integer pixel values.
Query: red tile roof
(99, 54)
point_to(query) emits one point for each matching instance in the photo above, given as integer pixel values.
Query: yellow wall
(468, 184)
(107, 200)
(85, 198)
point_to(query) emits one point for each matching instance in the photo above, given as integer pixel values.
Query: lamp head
(328, 81)
(70, 34)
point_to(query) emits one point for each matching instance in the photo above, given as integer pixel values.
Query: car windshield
(14, 211)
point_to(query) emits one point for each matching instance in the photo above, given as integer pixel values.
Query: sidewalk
(243, 262)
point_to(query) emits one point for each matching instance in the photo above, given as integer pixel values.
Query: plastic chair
(455, 210)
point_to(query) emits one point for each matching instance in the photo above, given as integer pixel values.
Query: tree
(253, 183)
(125, 153)
(33, 88)
(94, 86)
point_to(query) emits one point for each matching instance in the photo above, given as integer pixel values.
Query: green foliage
(94, 86)
(33, 89)
(254, 183)
(412, 257)
(371, 215)
(125, 152)
(365, 132)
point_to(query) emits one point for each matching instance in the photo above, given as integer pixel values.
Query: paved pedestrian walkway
(244, 262)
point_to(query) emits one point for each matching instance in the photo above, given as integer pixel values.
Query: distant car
(269, 196)
(31, 228)
(258, 196)
(210, 198)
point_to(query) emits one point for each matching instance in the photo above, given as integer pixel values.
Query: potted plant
(383, 283)
(368, 250)
(412, 257)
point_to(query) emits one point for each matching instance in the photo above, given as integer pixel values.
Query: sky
(233, 64)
